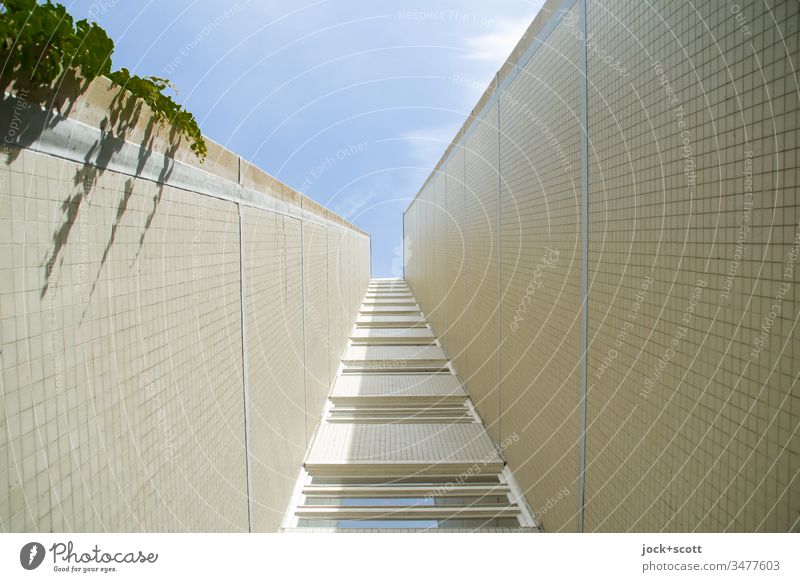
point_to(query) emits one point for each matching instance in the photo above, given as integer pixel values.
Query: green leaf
(42, 42)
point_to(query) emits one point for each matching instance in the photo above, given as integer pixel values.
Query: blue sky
(352, 102)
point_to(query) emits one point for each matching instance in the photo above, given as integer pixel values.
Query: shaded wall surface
(167, 328)
(608, 250)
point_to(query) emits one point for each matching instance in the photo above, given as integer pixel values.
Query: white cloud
(496, 44)
(426, 145)
(350, 204)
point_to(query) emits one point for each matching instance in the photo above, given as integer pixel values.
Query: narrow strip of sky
(350, 102)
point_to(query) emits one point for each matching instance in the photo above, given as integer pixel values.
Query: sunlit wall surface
(169, 330)
(627, 189)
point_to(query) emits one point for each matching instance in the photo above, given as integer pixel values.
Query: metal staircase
(400, 446)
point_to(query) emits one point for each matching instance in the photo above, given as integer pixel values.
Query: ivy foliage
(43, 42)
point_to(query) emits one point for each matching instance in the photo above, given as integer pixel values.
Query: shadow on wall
(32, 112)
(17, 98)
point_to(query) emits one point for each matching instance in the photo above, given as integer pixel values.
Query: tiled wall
(275, 360)
(692, 402)
(122, 329)
(454, 292)
(540, 271)
(315, 320)
(482, 271)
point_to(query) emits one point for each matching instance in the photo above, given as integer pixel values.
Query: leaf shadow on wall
(115, 129)
(29, 110)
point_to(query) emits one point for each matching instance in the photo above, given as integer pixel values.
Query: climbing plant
(43, 42)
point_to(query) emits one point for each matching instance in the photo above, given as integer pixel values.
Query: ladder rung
(432, 468)
(398, 363)
(365, 371)
(395, 409)
(414, 512)
(400, 419)
(445, 490)
(406, 400)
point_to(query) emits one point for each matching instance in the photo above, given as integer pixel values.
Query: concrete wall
(684, 414)
(159, 322)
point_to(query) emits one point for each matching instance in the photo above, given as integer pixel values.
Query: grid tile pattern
(432, 444)
(540, 272)
(397, 385)
(338, 322)
(437, 314)
(394, 353)
(389, 333)
(122, 351)
(693, 242)
(276, 361)
(698, 432)
(315, 320)
(398, 436)
(453, 334)
(482, 284)
(120, 307)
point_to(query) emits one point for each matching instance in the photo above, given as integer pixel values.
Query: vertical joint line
(444, 273)
(402, 248)
(499, 276)
(245, 379)
(328, 302)
(464, 372)
(303, 313)
(584, 346)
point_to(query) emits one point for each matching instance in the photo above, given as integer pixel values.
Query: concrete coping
(128, 121)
